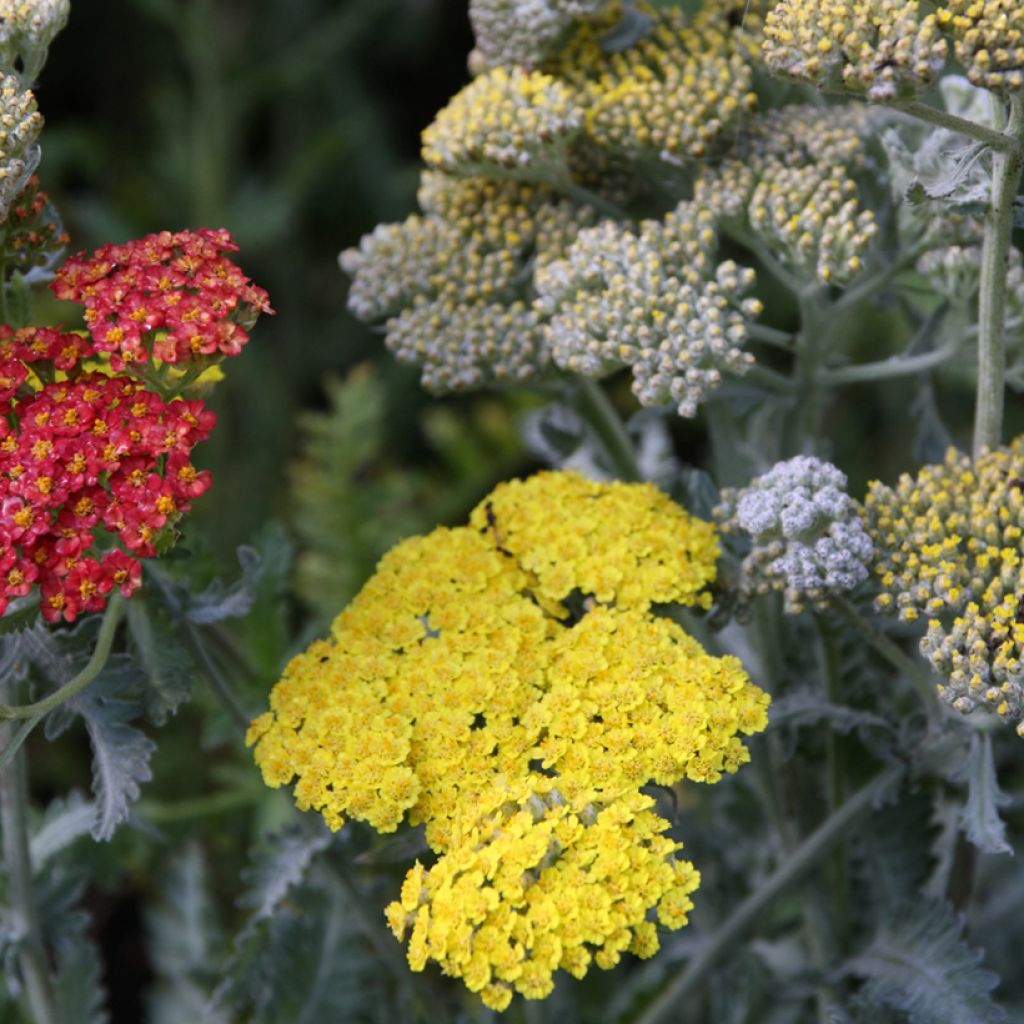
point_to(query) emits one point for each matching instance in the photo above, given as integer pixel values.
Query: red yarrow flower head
(172, 296)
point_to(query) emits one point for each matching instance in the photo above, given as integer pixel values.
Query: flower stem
(104, 641)
(1006, 169)
(802, 859)
(597, 411)
(35, 972)
(943, 119)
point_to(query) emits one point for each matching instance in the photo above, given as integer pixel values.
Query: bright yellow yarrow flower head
(516, 661)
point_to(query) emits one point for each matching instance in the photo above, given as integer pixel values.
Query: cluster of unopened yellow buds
(949, 545)
(792, 187)
(507, 684)
(506, 120)
(884, 48)
(988, 40)
(20, 125)
(651, 300)
(27, 27)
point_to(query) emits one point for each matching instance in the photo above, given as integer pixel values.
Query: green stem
(885, 369)
(805, 424)
(1006, 170)
(585, 197)
(893, 653)
(808, 854)
(16, 737)
(104, 641)
(597, 411)
(35, 972)
(220, 685)
(943, 119)
(770, 335)
(866, 286)
(164, 813)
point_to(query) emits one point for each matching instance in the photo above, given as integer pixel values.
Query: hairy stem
(597, 411)
(35, 973)
(943, 119)
(104, 641)
(806, 856)
(1006, 170)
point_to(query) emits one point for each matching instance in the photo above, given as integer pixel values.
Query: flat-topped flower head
(505, 121)
(650, 299)
(949, 548)
(171, 296)
(536, 883)
(524, 32)
(20, 125)
(988, 38)
(509, 684)
(808, 536)
(884, 48)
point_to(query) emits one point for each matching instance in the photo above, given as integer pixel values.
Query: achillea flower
(507, 121)
(988, 37)
(27, 27)
(790, 183)
(808, 537)
(534, 883)
(885, 48)
(524, 32)
(454, 284)
(643, 299)
(949, 547)
(20, 125)
(507, 683)
(170, 296)
(673, 94)
(32, 237)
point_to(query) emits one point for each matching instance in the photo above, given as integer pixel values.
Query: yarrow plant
(695, 602)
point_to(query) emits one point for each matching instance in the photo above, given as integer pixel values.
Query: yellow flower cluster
(20, 125)
(507, 120)
(988, 37)
(453, 283)
(882, 47)
(536, 883)
(791, 183)
(949, 545)
(517, 659)
(673, 94)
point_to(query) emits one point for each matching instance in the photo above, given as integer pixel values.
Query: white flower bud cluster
(884, 48)
(20, 125)
(953, 272)
(27, 27)
(524, 32)
(808, 537)
(454, 285)
(792, 188)
(461, 347)
(506, 120)
(641, 299)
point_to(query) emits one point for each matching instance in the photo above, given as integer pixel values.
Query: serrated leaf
(980, 819)
(280, 866)
(918, 964)
(808, 707)
(66, 819)
(79, 996)
(167, 667)
(219, 602)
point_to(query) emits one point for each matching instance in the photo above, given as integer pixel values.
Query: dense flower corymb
(517, 659)
(949, 546)
(170, 296)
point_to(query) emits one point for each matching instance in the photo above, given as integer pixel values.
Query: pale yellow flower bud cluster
(884, 48)
(524, 32)
(988, 37)
(507, 683)
(506, 121)
(792, 186)
(20, 125)
(454, 284)
(651, 300)
(949, 546)
(675, 94)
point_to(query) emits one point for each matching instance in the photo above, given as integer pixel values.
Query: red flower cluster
(95, 451)
(170, 296)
